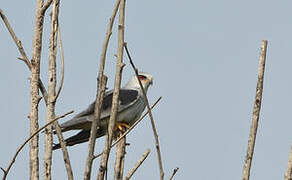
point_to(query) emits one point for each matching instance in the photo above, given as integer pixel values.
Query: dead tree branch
(22, 52)
(34, 90)
(97, 110)
(65, 152)
(132, 127)
(116, 92)
(27, 140)
(93, 132)
(288, 174)
(137, 165)
(46, 5)
(62, 64)
(120, 159)
(256, 112)
(150, 115)
(174, 172)
(52, 81)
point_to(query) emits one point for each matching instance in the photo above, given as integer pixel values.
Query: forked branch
(22, 52)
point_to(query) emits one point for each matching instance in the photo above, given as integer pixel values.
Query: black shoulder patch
(126, 96)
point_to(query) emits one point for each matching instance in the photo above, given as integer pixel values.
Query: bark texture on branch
(102, 80)
(34, 91)
(120, 159)
(256, 112)
(137, 165)
(288, 174)
(114, 110)
(22, 52)
(52, 81)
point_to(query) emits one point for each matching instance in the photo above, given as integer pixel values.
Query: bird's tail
(80, 137)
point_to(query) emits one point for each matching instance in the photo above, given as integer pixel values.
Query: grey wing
(127, 98)
(80, 121)
(83, 120)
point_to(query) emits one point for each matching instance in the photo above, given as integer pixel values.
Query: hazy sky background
(204, 58)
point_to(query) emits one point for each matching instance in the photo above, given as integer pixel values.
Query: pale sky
(203, 56)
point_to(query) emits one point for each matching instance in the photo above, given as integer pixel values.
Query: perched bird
(131, 105)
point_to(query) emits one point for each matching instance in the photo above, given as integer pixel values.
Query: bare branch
(62, 64)
(46, 5)
(132, 127)
(34, 91)
(28, 139)
(92, 138)
(15, 39)
(256, 112)
(93, 132)
(288, 174)
(65, 152)
(150, 115)
(173, 173)
(52, 81)
(22, 52)
(120, 159)
(116, 92)
(137, 165)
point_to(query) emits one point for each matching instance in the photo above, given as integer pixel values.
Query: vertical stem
(120, 159)
(288, 174)
(116, 92)
(256, 112)
(99, 97)
(93, 132)
(50, 111)
(34, 93)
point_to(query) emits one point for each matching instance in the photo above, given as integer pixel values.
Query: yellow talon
(121, 126)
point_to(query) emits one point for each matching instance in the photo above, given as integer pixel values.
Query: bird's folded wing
(127, 98)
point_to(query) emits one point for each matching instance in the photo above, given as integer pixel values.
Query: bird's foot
(122, 126)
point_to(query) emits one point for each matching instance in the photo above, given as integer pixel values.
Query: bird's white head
(145, 78)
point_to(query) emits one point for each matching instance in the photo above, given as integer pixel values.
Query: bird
(131, 105)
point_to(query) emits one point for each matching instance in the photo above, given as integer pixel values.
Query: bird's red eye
(141, 77)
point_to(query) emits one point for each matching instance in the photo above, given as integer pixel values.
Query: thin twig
(101, 79)
(65, 152)
(22, 52)
(62, 64)
(288, 174)
(27, 140)
(150, 115)
(116, 92)
(256, 112)
(131, 128)
(173, 173)
(137, 165)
